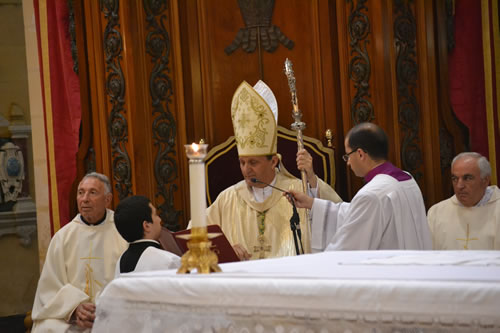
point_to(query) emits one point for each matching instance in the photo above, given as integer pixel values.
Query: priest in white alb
(80, 261)
(254, 217)
(387, 213)
(470, 219)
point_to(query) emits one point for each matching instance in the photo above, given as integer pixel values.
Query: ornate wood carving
(164, 128)
(115, 88)
(407, 75)
(72, 35)
(258, 30)
(345, 39)
(359, 65)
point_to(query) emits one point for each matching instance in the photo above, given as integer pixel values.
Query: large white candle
(196, 153)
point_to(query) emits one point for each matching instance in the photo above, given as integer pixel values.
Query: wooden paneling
(451, 134)
(135, 100)
(367, 67)
(354, 60)
(214, 75)
(394, 41)
(429, 133)
(221, 74)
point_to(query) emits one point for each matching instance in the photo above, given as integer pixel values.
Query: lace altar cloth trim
(124, 316)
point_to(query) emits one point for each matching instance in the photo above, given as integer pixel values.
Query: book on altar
(170, 241)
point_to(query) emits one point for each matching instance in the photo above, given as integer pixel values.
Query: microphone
(288, 194)
(255, 180)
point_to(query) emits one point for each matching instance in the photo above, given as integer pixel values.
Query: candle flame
(195, 147)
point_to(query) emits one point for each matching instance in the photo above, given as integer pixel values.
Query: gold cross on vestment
(467, 239)
(89, 275)
(262, 248)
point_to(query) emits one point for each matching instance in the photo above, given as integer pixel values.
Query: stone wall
(18, 242)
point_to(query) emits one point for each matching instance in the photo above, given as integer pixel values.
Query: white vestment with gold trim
(80, 262)
(455, 227)
(237, 212)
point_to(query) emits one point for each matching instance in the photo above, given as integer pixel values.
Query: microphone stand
(295, 226)
(294, 220)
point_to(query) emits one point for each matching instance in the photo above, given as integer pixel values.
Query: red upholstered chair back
(222, 167)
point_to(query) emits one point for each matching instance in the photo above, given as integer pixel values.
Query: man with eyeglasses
(387, 213)
(470, 219)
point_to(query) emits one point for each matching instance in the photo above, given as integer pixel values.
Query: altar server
(137, 221)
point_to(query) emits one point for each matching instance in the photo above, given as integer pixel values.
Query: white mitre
(254, 112)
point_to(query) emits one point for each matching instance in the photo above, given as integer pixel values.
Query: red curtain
(61, 97)
(473, 79)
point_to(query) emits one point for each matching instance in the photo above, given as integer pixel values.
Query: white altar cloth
(347, 291)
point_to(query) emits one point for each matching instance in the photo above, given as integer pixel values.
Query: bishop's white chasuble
(263, 228)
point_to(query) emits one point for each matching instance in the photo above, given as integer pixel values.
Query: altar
(349, 291)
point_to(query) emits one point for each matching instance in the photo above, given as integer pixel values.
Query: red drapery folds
(474, 67)
(62, 109)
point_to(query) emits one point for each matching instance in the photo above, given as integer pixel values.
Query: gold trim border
(44, 44)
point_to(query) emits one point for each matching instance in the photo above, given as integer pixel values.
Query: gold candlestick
(199, 255)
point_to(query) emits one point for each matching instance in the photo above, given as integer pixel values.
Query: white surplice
(153, 259)
(455, 227)
(384, 214)
(80, 262)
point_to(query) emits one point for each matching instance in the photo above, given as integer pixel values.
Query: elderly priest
(469, 220)
(254, 217)
(80, 262)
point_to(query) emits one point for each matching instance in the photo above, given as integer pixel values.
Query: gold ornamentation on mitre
(253, 120)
